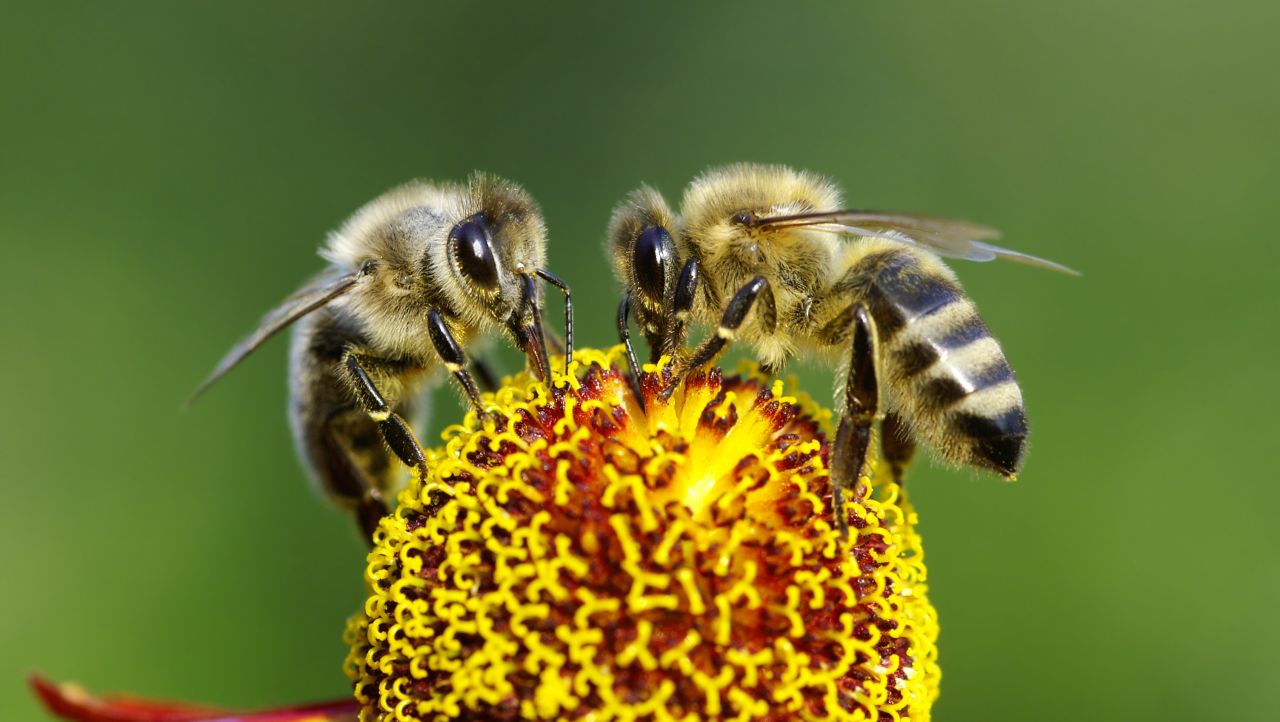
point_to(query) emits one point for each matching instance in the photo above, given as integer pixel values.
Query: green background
(167, 171)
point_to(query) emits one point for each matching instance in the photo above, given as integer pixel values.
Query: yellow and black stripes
(946, 372)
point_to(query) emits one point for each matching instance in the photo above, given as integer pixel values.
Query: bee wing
(944, 236)
(317, 292)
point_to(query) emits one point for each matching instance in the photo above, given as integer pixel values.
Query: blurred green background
(167, 171)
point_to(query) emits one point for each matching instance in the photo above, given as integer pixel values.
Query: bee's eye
(744, 218)
(469, 244)
(650, 258)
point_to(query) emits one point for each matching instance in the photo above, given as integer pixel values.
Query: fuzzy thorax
(582, 558)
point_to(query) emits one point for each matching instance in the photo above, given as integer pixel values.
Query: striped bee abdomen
(944, 372)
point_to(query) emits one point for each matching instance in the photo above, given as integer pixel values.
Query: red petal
(74, 703)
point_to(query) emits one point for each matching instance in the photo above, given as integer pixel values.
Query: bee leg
(897, 446)
(861, 405)
(734, 314)
(369, 512)
(371, 506)
(395, 430)
(485, 375)
(555, 344)
(529, 336)
(345, 475)
(681, 307)
(624, 335)
(454, 360)
(554, 280)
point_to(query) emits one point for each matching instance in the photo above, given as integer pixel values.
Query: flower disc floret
(581, 556)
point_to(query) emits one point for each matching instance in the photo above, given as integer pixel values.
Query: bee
(824, 282)
(414, 276)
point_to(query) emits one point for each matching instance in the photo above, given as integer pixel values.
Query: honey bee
(823, 281)
(415, 276)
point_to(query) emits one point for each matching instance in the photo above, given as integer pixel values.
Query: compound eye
(650, 258)
(469, 244)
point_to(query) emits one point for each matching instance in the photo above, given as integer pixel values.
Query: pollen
(579, 555)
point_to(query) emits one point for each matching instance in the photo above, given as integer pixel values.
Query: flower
(580, 555)
(70, 701)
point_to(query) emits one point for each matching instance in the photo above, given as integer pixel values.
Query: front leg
(861, 406)
(554, 280)
(624, 335)
(525, 326)
(734, 314)
(455, 361)
(686, 291)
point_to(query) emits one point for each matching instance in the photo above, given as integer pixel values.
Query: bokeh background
(167, 171)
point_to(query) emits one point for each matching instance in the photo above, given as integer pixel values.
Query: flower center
(583, 558)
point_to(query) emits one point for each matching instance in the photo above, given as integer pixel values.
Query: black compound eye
(650, 258)
(469, 244)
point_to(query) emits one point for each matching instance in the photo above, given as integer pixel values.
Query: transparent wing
(944, 236)
(317, 292)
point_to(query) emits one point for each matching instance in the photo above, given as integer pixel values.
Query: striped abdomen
(945, 374)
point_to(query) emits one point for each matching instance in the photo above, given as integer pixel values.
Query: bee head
(497, 240)
(645, 259)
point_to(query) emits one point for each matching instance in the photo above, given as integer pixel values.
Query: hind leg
(354, 468)
(861, 406)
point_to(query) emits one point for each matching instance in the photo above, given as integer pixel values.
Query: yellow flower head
(581, 557)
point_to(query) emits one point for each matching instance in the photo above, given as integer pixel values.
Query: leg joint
(366, 392)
